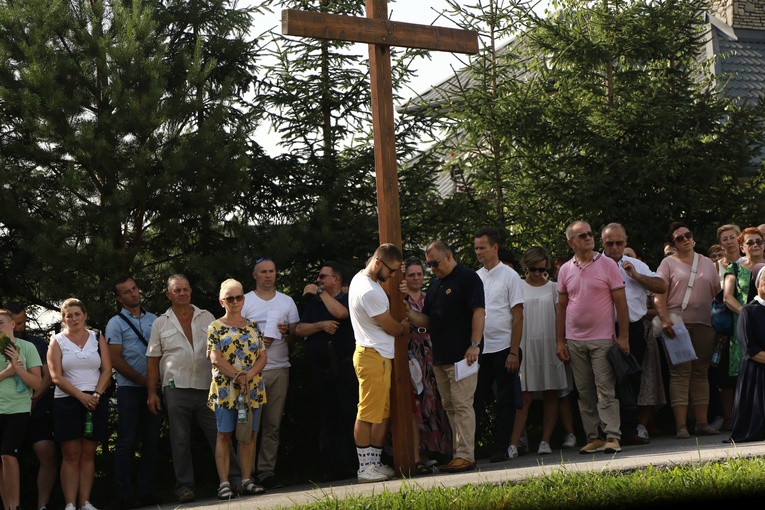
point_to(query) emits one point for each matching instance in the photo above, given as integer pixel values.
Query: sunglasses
(758, 242)
(434, 264)
(536, 269)
(688, 235)
(585, 235)
(322, 276)
(261, 259)
(612, 243)
(233, 299)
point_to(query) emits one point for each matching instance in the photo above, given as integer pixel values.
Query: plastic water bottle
(171, 384)
(21, 386)
(88, 429)
(241, 413)
(717, 354)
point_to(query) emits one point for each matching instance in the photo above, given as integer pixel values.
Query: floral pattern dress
(435, 432)
(241, 347)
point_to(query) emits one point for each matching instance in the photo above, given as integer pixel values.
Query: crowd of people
(598, 326)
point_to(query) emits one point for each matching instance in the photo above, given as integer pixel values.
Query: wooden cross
(381, 33)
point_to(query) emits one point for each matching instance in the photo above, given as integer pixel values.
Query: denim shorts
(226, 419)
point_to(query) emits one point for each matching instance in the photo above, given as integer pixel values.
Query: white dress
(540, 367)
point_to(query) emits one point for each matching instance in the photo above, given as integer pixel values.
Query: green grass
(731, 481)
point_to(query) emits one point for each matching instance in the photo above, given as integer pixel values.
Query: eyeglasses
(584, 235)
(758, 242)
(322, 276)
(261, 259)
(688, 235)
(536, 269)
(612, 243)
(233, 299)
(386, 265)
(434, 264)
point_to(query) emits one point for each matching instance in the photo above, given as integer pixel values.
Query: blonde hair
(72, 302)
(227, 284)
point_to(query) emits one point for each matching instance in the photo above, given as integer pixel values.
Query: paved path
(662, 451)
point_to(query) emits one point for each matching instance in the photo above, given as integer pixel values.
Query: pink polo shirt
(590, 310)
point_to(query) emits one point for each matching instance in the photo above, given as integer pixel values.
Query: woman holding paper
(693, 282)
(236, 351)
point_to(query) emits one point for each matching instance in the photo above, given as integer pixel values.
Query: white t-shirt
(367, 299)
(503, 290)
(636, 293)
(258, 310)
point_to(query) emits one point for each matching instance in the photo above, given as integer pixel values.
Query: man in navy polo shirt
(454, 311)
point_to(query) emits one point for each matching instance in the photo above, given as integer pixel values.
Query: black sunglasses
(585, 235)
(434, 264)
(752, 242)
(536, 269)
(611, 243)
(688, 235)
(233, 299)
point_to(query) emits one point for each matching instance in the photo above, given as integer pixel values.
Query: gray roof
(741, 59)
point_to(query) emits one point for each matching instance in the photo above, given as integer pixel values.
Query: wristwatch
(475, 344)
(319, 290)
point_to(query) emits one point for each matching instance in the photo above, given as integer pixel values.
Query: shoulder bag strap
(135, 329)
(691, 279)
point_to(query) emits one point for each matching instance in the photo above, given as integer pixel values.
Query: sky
(429, 72)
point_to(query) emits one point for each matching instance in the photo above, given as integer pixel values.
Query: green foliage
(600, 111)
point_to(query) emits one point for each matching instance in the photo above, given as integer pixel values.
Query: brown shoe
(457, 465)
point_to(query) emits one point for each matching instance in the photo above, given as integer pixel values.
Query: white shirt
(636, 293)
(183, 361)
(503, 289)
(258, 310)
(367, 299)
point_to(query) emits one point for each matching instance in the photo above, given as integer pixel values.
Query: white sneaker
(642, 432)
(386, 470)
(569, 441)
(717, 423)
(544, 448)
(88, 506)
(371, 474)
(70, 506)
(512, 451)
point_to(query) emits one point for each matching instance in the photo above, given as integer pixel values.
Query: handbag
(656, 329)
(244, 429)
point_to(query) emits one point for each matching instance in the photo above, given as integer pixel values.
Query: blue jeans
(134, 420)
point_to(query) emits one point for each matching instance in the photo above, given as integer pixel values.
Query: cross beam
(381, 33)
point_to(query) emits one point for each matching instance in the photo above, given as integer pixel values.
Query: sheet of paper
(462, 369)
(679, 349)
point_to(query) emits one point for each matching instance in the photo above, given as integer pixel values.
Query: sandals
(705, 429)
(249, 488)
(224, 491)
(682, 432)
(425, 467)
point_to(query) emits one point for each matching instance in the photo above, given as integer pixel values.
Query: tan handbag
(244, 429)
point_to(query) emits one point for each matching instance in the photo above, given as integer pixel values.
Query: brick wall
(748, 14)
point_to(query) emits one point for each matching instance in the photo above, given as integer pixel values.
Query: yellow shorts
(374, 373)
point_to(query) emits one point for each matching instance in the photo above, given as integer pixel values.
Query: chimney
(745, 14)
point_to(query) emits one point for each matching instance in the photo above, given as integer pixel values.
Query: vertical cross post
(381, 33)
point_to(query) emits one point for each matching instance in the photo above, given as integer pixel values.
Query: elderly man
(454, 310)
(177, 353)
(277, 317)
(326, 325)
(640, 283)
(589, 287)
(500, 360)
(127, 334)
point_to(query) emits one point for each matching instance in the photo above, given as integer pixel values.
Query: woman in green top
(737, 285)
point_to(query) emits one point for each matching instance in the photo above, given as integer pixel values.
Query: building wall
(746, 14)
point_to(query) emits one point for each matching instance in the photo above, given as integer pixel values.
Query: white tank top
(81, 367)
